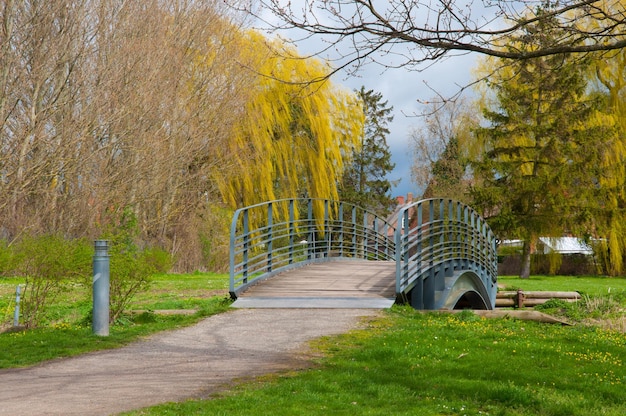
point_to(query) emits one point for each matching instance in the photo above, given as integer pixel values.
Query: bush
(47, 263)
(6, 259)
(131, 267)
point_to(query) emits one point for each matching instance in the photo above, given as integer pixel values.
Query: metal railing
(275, 236)
(438, 237)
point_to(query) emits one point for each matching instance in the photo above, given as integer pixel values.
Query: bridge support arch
(445, 257)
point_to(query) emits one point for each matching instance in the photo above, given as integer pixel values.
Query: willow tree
(294, 134)
(610, 219)
(542, 147)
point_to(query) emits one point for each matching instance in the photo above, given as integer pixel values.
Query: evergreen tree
(447, 174)
(364, 181)
(540, 149)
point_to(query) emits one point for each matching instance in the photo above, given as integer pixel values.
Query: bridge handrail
(274, 236)
(437, 231)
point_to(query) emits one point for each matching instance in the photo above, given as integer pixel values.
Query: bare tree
(357, 32)
(440, 148)
(109, 105)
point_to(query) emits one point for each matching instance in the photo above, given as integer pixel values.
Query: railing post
(246, 245)
(341, 232)
(311, 224)
(354, 233)
(397, 235)
(270, 235)
(292, 231)
(365, 243)
(327, 237)
(375, 229)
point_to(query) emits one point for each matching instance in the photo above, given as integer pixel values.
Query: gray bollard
(101, 288)
(16, 315)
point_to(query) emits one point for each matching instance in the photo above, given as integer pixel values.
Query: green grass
(411, 363)
(404, 363)
(586, 285)
(68, 329)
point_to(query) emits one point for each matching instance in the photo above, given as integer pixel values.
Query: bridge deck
(334, 284)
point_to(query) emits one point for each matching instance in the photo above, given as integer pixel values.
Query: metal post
(101, 288)
(16, 315)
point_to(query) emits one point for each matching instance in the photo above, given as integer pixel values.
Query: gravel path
(188, 363)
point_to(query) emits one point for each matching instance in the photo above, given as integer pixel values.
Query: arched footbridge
(431, 254)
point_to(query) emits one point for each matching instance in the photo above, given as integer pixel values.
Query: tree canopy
(294, 135)
(541, 170)
(157, 108)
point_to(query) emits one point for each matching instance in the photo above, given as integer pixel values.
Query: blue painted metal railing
(275, 236)
(437, 240)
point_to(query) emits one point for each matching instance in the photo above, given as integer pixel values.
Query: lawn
(412, 363)
(406, 362)
(585, 285)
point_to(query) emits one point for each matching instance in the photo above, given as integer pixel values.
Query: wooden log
(527, 315)
(519, 298)
(540, 295)
(511, 303)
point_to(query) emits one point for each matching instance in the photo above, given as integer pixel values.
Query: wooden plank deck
(334, 284)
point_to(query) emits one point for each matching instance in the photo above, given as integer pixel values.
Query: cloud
(404, 89)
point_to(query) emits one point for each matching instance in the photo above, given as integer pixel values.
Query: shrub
(47, 263)
(131, 267)
(6, 259)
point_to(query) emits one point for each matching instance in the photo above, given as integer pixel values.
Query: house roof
(566, 245)
(563, 245)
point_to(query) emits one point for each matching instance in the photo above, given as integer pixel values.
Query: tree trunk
(525, 268)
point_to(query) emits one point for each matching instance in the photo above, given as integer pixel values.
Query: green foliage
(6, 259)
(48, 263)
(214, 237)
(294, 133)
(560, 307)
(447, 172)
(130, 265)
(543, 146)
(364, 180)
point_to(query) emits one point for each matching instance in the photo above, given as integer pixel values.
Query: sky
(405, 90)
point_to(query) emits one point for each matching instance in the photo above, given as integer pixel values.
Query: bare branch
(364, 31)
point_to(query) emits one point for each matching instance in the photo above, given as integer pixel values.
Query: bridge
(433, 254)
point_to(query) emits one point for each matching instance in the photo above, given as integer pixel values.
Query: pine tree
(364, 181)
(537, 171)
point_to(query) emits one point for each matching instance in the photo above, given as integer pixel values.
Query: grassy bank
(586, 285)
(411, 363)
(68, 330)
